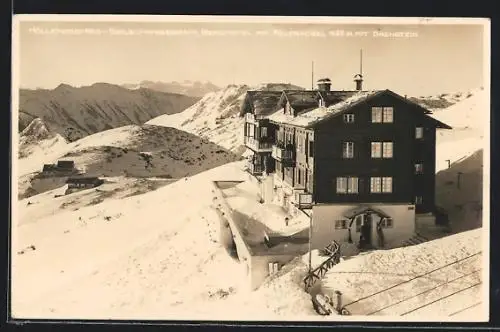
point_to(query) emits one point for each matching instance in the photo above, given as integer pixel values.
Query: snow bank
(244, 198)
(134, 258)
(395, 282)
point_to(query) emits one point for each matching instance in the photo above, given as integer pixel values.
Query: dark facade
(409, 161)
(62, 167)
(375, 147)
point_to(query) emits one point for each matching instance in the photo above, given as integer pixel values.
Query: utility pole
(361, 62)
(310, 245)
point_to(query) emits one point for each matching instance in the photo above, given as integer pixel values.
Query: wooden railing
(333, 250)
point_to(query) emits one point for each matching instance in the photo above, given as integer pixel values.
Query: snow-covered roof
(333, 97)
(313, 116)
(262, 102)
(340, 101)
(300, 100)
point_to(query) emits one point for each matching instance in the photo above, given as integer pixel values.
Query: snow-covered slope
(164, 146)
(469, 120)
(444, 100)
(215, 116)
(137, 151)
(36, 140)
(432, 281)
(141, 257)
(146, 257)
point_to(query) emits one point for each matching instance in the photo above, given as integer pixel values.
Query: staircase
(414, 240)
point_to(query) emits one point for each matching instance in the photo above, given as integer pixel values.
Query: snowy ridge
(188, 88)
(215, 116)
(36, 141)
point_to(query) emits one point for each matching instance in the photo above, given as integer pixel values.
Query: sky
(423, 59)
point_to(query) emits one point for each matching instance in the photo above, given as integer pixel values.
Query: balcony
(250, 118)
(285, 156)
(258, 146)
(255, 169)
(303, 200)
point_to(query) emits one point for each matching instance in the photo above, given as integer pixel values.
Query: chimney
(324, 84)
(358, 78)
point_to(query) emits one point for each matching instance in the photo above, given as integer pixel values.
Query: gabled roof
(319, 114)
(300, 100)
(342, 102)
(260, 102)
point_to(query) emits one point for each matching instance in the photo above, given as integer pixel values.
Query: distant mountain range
(188, 88)
(78, 112)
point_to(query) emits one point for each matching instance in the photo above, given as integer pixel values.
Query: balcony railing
(255, 169)
(258, 145)
(285, 156)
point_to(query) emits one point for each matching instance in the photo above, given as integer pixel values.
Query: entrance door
(366, 230)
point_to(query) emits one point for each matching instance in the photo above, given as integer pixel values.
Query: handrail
(333, 249)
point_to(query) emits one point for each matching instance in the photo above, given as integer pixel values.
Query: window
(375, 185)
(376, 114)
(321, 103)
(341, 224)
(300, 143)
(418, 200)
(311, 148)
(387, 185)
(386, 223)
(387, 149)
(388, 115)
(381, 184)
(263, 132)
(380, 149)
(349, 118)
(251, 132)
(419, 133)
(376, 150)
(419, 168)
(382, 114)
(348, 150)
(347, 185)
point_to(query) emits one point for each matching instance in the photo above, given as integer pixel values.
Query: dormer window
(287, 108)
